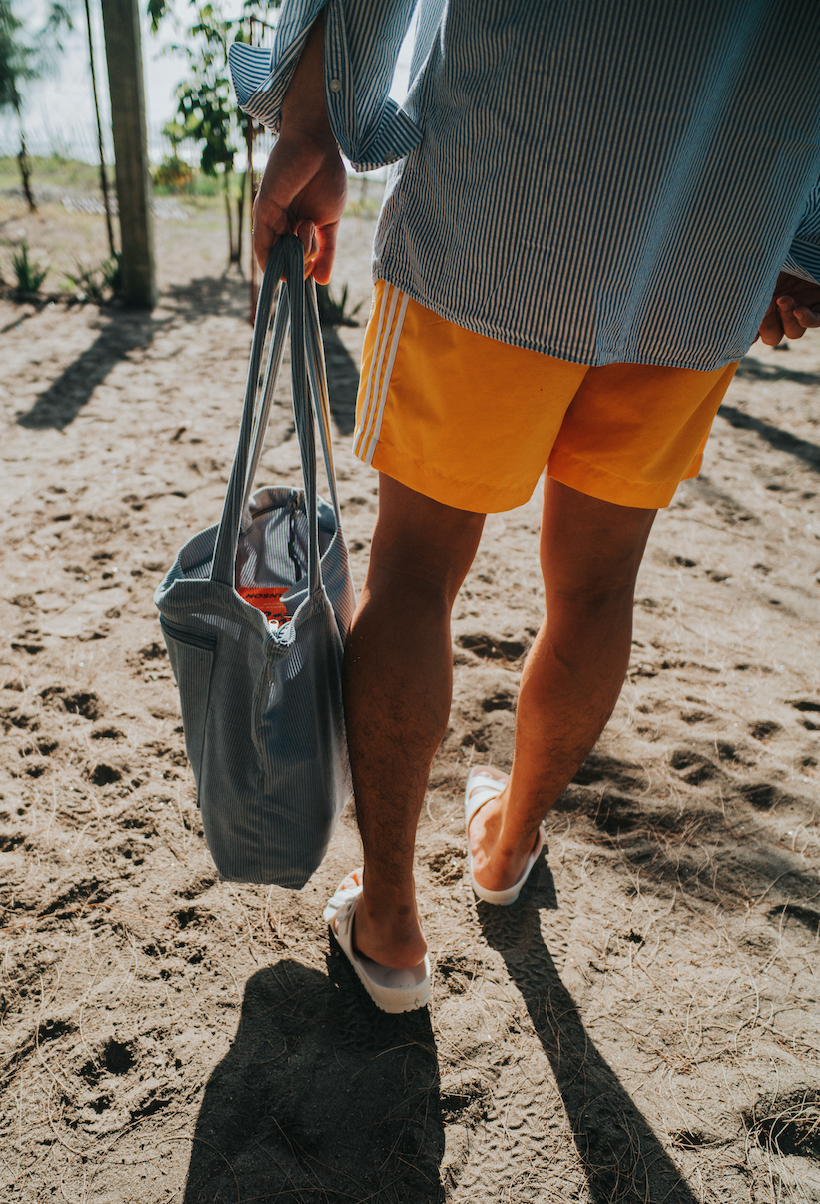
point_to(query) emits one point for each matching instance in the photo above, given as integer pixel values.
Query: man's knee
(420, 544)
(591, 550)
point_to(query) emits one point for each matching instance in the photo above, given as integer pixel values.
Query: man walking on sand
(593, 206)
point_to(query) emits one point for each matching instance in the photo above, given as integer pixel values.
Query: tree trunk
(231, 252)
(240, 216)
(103, 177)
(23, 160)
(123, 52)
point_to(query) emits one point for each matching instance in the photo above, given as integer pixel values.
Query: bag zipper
(195, 638)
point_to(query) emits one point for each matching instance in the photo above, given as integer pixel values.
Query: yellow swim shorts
(472, 422)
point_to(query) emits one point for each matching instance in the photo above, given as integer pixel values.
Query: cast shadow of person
(342, 381)
(320, 1096)
(623, 1160)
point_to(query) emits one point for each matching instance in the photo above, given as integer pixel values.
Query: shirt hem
(570, 355)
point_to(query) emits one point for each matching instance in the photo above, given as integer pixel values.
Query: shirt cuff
(803, 259)
(372, 130)
(807, 266)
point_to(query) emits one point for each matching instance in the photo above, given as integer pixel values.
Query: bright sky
(59, 111)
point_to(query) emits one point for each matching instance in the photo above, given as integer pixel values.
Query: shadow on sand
(752, 369)
(59, 404)
(774, 436)
(321, 1097)
(342, 381)
(623, 1160)
(122, 331)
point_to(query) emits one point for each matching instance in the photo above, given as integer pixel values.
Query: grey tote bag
(255, 613)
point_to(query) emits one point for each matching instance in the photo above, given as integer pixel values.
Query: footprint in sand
(693, 766)
(787, 1123)
(491, 647)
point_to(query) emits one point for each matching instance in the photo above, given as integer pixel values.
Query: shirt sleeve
(362, 42)
(803, 259)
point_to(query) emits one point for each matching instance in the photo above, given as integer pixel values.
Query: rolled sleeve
(362, 41)
(804, 254)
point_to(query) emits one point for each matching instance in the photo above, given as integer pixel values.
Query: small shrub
(332, 312)
(112, 273)
(97, 283)
(173, 174)
(29, 275)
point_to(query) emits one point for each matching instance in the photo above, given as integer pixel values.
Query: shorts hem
(598, 483)
(461, 495)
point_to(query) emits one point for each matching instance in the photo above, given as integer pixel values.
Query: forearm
(304, 188)
(361, 40)
(304, 109)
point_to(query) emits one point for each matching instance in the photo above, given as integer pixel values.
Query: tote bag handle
(307, 361)
(318, 388)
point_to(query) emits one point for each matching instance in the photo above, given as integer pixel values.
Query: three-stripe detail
(389, 320)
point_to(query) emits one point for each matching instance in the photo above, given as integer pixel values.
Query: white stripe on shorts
(386, 343)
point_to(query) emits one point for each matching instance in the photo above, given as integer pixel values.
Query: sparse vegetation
(29, 274)
(99, 283)
(54, 170)
(172, 175)
(335, 313)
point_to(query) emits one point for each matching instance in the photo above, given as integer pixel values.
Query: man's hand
(304, 188)
(794, 309)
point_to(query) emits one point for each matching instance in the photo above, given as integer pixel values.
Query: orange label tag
(269, 601)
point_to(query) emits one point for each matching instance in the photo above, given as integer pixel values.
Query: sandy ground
(644, 1025)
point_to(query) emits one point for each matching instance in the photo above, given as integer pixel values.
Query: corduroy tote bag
(255, 612)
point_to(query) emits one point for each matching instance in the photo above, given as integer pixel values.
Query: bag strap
(318, 386)
(277, 349)
(317, 378)
(287, 257)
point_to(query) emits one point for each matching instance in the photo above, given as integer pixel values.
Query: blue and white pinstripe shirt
(600, 180)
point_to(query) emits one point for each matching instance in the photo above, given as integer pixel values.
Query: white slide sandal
(393, 991)
(483, 785)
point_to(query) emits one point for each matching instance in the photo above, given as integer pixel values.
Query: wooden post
(101, 149)
(123, 52)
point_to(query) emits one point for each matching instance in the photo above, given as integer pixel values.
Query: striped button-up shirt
(599, 180)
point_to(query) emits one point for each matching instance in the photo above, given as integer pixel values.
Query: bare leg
(590, 555)
(398, 688)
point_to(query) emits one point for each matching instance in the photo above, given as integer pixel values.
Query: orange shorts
(472, 422)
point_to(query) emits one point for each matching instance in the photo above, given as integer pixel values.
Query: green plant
(23, 60)
(29, 275)
(111, 269)
(332, 312)
(173, 174)
(97, 283)
(17, 67)
(206, 110)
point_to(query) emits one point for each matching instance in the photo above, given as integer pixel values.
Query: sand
(644, 1025)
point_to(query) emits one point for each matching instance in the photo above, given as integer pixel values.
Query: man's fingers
(306, 233)
(320, 248)
(270, 222)
(263, 240)
(791, 326)
(771, 328)
(265, 236)
(323, 264)
(796, 319)
(785, 317)
(807, 318)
